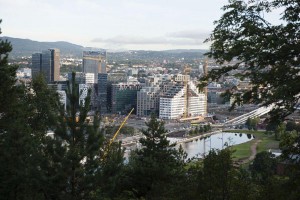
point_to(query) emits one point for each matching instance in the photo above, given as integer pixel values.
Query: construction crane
(205, 70)
(187, 71)
(106, 150)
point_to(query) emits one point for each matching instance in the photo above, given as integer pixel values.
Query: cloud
(181, 38)
(190, 34)
(122, 39)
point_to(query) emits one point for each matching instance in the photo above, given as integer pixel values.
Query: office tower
(102, 92)
(123, 96)
(113, 78)
(36, 64)
(47, 63)
(94, 62)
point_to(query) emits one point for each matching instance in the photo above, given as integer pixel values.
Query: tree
(264, 166)
(80, 160)
(248, 123)
(157, 167)
(280, 130)
(251, 123)
(216, 176)
(247, 44)
(27, 113)
(201, 129)
(291, 126)
(196, 131)
(254, 123)
(8, 89)
(290, 145)
(205, 128)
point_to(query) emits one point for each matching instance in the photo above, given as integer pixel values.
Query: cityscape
(151, 115)
(163, 87)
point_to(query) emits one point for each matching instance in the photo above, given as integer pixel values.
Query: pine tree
(25, 118)
(157, 166)
(24, 161)
(80, 148)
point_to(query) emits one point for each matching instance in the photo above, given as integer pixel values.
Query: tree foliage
(252, 123)
(217, 173)
(264, 166)
(26, 114)
(157, 166)
(245, 43)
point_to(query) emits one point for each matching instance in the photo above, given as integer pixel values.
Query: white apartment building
(172, 103)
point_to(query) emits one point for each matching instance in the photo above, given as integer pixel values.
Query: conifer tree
(80, 148)
(27, 113)
(157, 166)
(85, 172)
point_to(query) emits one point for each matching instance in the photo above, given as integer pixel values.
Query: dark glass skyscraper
(102, 92)
(48, 63)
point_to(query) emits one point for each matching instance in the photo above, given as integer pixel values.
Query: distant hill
(186, 51)
(26, 47)
(168, 55)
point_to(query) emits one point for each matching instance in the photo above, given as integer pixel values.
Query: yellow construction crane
(187, 71)
(205, 70)
(106, 150)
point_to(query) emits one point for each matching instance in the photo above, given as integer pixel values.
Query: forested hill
(25, 47)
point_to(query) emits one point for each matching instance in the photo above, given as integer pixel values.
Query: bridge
(255, 113)
(189, 139)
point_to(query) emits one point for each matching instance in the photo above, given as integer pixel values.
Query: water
(199, 147)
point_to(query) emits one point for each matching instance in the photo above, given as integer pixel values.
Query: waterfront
(200, 146)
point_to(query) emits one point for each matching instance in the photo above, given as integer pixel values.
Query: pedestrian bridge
(255, 113)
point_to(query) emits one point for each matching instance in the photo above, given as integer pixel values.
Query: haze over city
(115, 24)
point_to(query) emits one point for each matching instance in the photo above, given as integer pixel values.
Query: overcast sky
(113, 24)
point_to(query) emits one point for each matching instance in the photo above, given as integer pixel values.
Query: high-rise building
(113, 78)
(102, 92)
(124, 97)
(36, 64)
(94, 62)
(47, 63)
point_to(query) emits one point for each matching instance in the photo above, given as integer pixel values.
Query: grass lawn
(243, 151)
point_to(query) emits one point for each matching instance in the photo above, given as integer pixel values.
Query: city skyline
(116, 24)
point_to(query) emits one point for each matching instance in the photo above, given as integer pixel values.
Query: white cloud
(194, 38)
(190, 34)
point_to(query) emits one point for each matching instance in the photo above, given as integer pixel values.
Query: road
(169, 126)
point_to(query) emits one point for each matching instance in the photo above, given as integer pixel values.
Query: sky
(113, 24)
